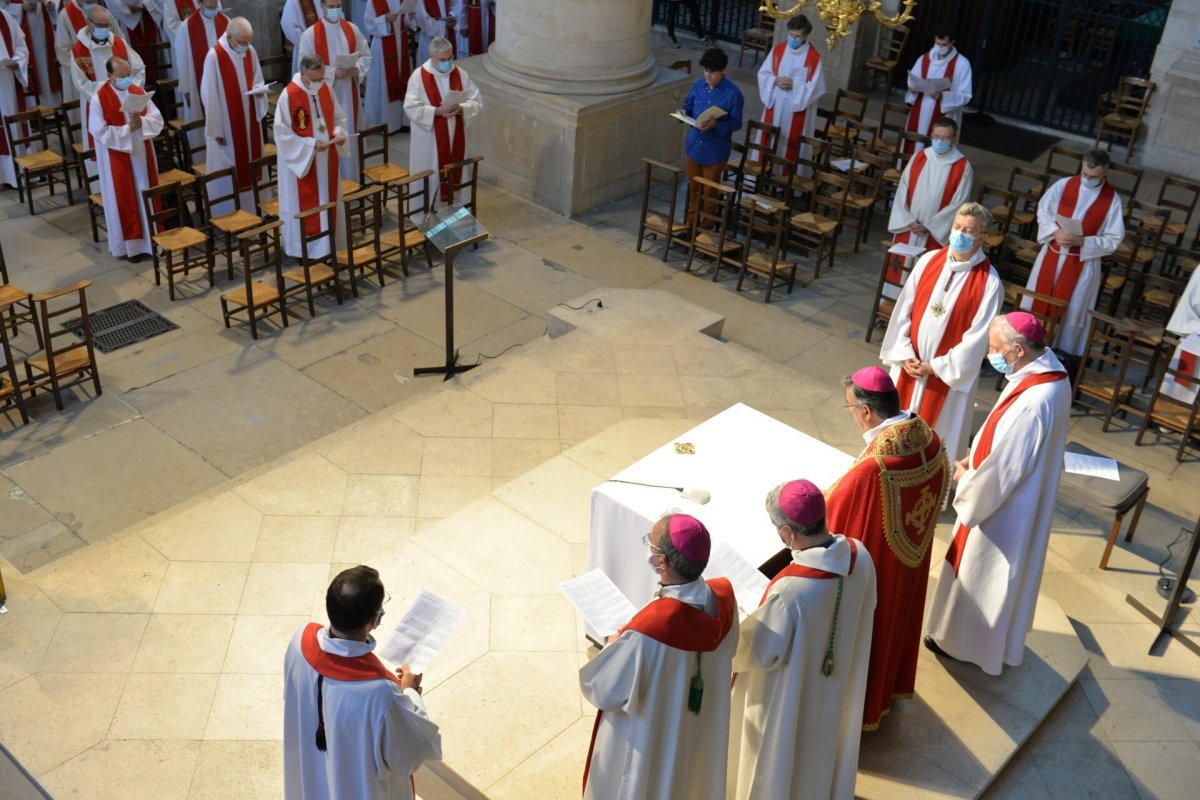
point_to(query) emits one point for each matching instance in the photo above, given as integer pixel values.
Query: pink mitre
(873, 379)
(1026, 324)
(690, 537)
(802, 502)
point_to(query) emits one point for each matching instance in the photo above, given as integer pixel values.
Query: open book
(712, 112)
(928, 85)
(1069, 225)
(454, 97)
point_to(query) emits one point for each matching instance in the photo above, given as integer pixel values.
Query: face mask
(333, 14)
(123, 83)
(795, 43)
(941, 146)
(944, 51)
(650, 560)
(241, 49)
(999, 364)
(961, 242)
(445, 66)
(100, 35)
(210, 13)
(87, 7)
(1093, 183)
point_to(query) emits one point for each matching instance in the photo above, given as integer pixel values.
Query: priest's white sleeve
(805, 92)
(1110, 235)
(959, 93)
(339, 129)
(474, 102)
(64, 37)
(259, 101)
(897, 340)
(943, 220)
(136, 64)
(910, 96)
(87, 88)
(766, 82)
(295, 152)
(610, 680)
(766, 637)
(152, 122)
(901, 216)
(20, 54)
(419, 112)
(128, 18)
(292, 22)
(363, 55)
(958, 368)
(375, 25)
(1014, 451)
(181, 49)
(1047, 210)
(407, 738)
(111, 137)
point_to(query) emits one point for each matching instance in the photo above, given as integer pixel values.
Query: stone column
(1170, 143)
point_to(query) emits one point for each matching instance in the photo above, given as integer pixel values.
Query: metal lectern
(450, 230)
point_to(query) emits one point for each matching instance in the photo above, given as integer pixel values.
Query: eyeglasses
(387, 598)
(647, 543)
(853, 405)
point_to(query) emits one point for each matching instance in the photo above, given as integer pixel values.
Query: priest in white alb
(434, 19)
(125, 158)
(661, 684)
(336, 39)
(297, 17)
(937, 336)
(943, 63)
(439, 126)
(193, 39)
(13, 79)
(790, 82)
(988, 585)
(139, 28)
(386, 21)
(175, 13)
(232, 120)
(37, 20)
(476, 27)
(310, 128)
(72, 18)
(934, 183)
(1068, 266)
(801, 662)
(94, 45)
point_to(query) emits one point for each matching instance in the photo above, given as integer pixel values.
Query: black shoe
(675, 43)
(933, 647)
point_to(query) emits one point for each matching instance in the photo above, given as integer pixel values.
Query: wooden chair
(1173, 415)
(1143, 237)
(1050, 312)
(176, 248)
(1102, 370)
(890, 130)
(760, 139)
(1003, 204)
(766, 221)
(710, 226)
(1126, 180)
(892, 276)
(845, 119)
(362, 212)
(816, 231)
(385, 173)
(660, 202)
(467, 171)
(1020, 212)
(11, 393)
(69, 118)
(64, 360)
(39, 164)
(778, 179)
(888, 47)
(18, 304)
(262, 279)
(192, 157)
(316, 272)
(1121, 496)
(1180, 197)
(804, 178)
(1062, 162)
(266, 187)
(414, 197)
(224, 229)
(759, 38)
(1124, 121)
(865, 185)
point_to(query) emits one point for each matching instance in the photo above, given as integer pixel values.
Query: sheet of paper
(454, 98)
(266, 87)
(422, 632)
(906, 250)
(345, 61)
(1092, 466)
(845, 164)
(602, 604)
(1071, 226)
(134, 103)
(928, 85)
(748, 583)
(712, 112)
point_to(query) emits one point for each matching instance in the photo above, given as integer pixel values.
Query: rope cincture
(827, 664)
(320, 715)
(696, 690)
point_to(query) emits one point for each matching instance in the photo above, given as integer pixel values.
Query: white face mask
(1093, 183)
(944, 51)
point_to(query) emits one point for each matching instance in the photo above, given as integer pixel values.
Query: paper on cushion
(1092, 466)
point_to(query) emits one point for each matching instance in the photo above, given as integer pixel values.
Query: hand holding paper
(136, 103)
(257, 90)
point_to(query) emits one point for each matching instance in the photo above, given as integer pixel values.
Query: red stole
(811, 61)
(983, 448)
(448, 151)
(395, 55)
(83, 57)
(308, 8)
(198, 42)
(184, 9)
(1186, 365)
(247, 136)
(120, 165)
(321, 42)
(1063, 286)
(437, 10)
(141, 36)
(75, 15)
(914, 113)
(302, 125)
(961, 316)
(475, 43)
(957, 170)
(678, 625)
(6, 34)
(34, 67)
(366, 667)
(794, 570)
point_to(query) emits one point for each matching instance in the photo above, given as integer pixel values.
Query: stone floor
(133, 637)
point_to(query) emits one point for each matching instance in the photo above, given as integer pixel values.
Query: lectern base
(451, 368)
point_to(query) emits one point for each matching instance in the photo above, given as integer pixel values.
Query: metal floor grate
(125, 324)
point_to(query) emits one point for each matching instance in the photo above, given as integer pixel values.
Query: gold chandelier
(840, 15)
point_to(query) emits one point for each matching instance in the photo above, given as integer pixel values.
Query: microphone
(695, 494)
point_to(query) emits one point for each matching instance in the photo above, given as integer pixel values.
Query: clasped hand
(917, 368)
(448, 110)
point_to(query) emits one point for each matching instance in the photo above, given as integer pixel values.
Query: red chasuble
(889, 500)
(678, 625)
(184, 9)
(120, 165)
(308, 9)
(243, 128)
(303, 125)
(321, 43)
(1062, 286)
(966, 306)
(983, 449)
(957, 170)
(450, 150)
(396, 68)
(811, 62)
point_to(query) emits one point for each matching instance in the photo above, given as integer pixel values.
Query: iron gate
(723, 19)
(1045, 61)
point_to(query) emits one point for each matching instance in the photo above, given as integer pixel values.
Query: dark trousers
(673, 10)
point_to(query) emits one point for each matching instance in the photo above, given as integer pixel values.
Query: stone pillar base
(573, 153)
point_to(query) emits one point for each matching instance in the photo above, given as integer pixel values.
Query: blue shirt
(714, 145)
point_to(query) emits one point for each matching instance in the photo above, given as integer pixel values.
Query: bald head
(240, 30)
(99, 16)
(118, 67)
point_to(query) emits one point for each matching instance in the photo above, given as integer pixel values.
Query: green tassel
(696, 692)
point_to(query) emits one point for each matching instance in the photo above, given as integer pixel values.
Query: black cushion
(1118, 496)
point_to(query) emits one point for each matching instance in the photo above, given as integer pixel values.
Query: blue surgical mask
(1093, 183)
(87, 7)
(999, 364)
(241, 49)
(961, 242)
(210, 13)
(795, 43)
(123, 83)
(100, 34)
(941, 146)
(445, 66)
(333, 14)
